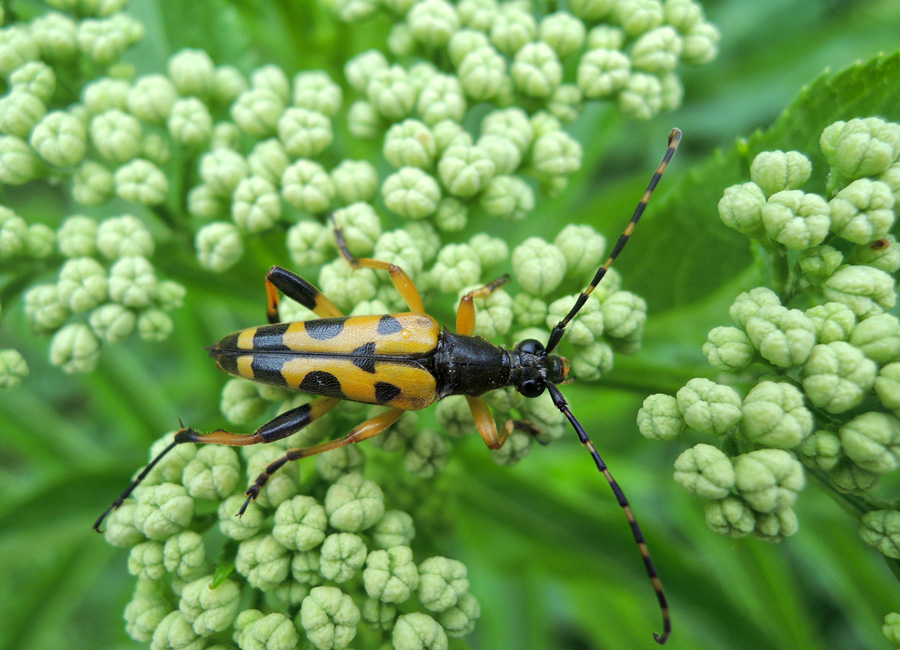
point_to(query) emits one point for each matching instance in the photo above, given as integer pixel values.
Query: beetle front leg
(465, 315)
(364, 431)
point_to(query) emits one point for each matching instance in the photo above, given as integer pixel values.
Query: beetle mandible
(403, 361)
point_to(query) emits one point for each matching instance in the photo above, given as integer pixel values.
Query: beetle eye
(530, 346)
(531, 387)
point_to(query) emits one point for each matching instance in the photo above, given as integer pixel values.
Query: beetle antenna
(560, 402)
(140, 477)
(557, 333)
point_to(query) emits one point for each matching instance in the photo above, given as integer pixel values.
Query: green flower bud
(14, 233)
(18, 162)
(144, 613)
(796, 220)
(354, 10)
(741, 208)
(862, 211)
(837, 376)
(457, 266)
(363, 121)
(411, 193)
(132, 282)
(20, 111)
(213, 473)
(624, 315)
(300, 523)
(329, 617)
(309, 243)
(657, 51)
(210, 610)
(847, 476)
(511, 123)
(426, 237)
(465, 170)
(151, 98)
(507, 197)
(728, 349)
(427, 455)
(512, 28)
(705, 471)
(190, 122)
(354, 181)
(605, 37)
(44, 310)
(116, 135)
(75, 349)
(192, 72)
(491, 250)
(891, 628)
(146, 561)
(701, 44)
(878, 337)
(730, 516)
(257, 111)
(433, 22)
(409, 144)
(642, 96)
(253, 631)
(343, 460)
(638, 16)
(516, 447)
(305, 568)
(92, 184)
(391, 576)
(243, 527)
(395, 528)
(881, 529)
(163, 510)
(861, 147)
(417, 631)
(582, 247)
(783, 337)
(204, 204)
(40, 240)
(864, 289)
(887, 386)
(154, 325)
(343, 554)
(777, 171)
(36, 77)
(184, 554)
(774, 414)
(659, 418)
(241, 402)
(354, 503)
(774, 526)
(891, 176)
(174, 632)
(17, 47)
(305, 133)
(556, 154)
(263, 561)
(223, 170)
(587, 324)
(82, 284)
(12, 368)
(768, 479)
(459, 621)
(477, 14)
(481, 73)
(256, 205)
(272, 78)
(464, 41)
(536, 70)
(872, 441)
(391, 92)
(76, 236)
(563, 32)
(125, 236)
(683, 14)
(452, 214)
(883, 254)
(709, 407)
(219, 246)
(506, 155)
(112, 322)
(538, 266)
(347, 287)
(316, 91)
(833, 321)
(142, 182)
(60, 139)
(821, 449)
(441, 583)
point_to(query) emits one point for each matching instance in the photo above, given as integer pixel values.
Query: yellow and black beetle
(403, 361)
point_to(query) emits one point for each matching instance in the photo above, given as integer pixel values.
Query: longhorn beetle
(404, 361)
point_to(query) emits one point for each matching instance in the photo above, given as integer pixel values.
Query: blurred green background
(549, 553)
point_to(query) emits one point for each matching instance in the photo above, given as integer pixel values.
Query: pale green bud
(774, 414)
(363, 121)
(861, 147)
(345, 286)
(459, 620)
(280, 487)
(556, 153)
(82, 284)
(777, 171)
(391, 576)
(343, 460)
(538, 266)
(411, 193)
(511, 123)
(342, 555)
(657, 51)
(821, 449)
(477, 14)
(163, 510)
(18, 162)
(151, 98)
(146, 561)
(638, 16)
(354, 503)
(304, 132)
(309, 243)
(316, 91)
(452, 215)
(354, 180)
(891, 628)
(659, 418)
(768, 479)
(192, 72)
(417, 631)
(433, 22)
(837, 376)
(701, 44)
(36, 77)
(112, 322)
(427, 454)
(307, 186)
(218, 246)
(878, 337)
(512, 28)
(864, 289)
(683, 14)
(14, 234)
(847, 476)
(465, 170)
(891, 177)
(213, 473)
(441, 582)
(391, 92)
(253, 631)
(883, 254)
(602, 72)
(144, 613)
(774, 526)
(536, 70)
(12, 368)
(354, 10)
(862, 211)
(481, 73)
(60, 139)
(103, 95)
(881, 529)
(820, 262)
(563, 32)
(20, 111)
(507, 197)
(887, 386)
(184, 554)
(517, 446)
(44, 310)
(17, 47)
(741, 208)
(76, 236)
(263, 561)
(728, 349)
(709, 407)
(642, 96)
(142, 182)
(210, 610)
(190, 123)
(124, 236)
(784, 337)
(361, 226)
(204, 204)
(796, 220)
(222, 170)
(705, 471)
(605, 37)
(272, 78)
(410, 144)
(243, 527)
(268, 160)
(329, 618)
(566, 102)
(300, 523)
(132, 282)
(872, 441)
(174, 632)
(256, 205)
(40, 240)
(395, 528)
(730, 516)
(92, 184)
(256, 111)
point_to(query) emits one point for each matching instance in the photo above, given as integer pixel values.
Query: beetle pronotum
(404, 361)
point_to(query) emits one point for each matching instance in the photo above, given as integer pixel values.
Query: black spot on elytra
(325, 328)
(389, 325)
(270, 337)
(267, 369)
(320, 382)
(364, 357)
(385, 392)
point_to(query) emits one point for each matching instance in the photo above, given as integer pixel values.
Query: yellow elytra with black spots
(403, 360)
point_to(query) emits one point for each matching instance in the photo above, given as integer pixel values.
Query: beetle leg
(296, 288)
(465, 315)
(484, 422)
(401, 280)
(360, 432)
(523, 425)
(282, 426)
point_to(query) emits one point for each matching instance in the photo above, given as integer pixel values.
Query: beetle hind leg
(296, 288)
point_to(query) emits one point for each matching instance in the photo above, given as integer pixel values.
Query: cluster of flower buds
(827, 375)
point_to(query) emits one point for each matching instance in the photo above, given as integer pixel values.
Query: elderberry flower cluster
(294, 568)
(820, 348)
